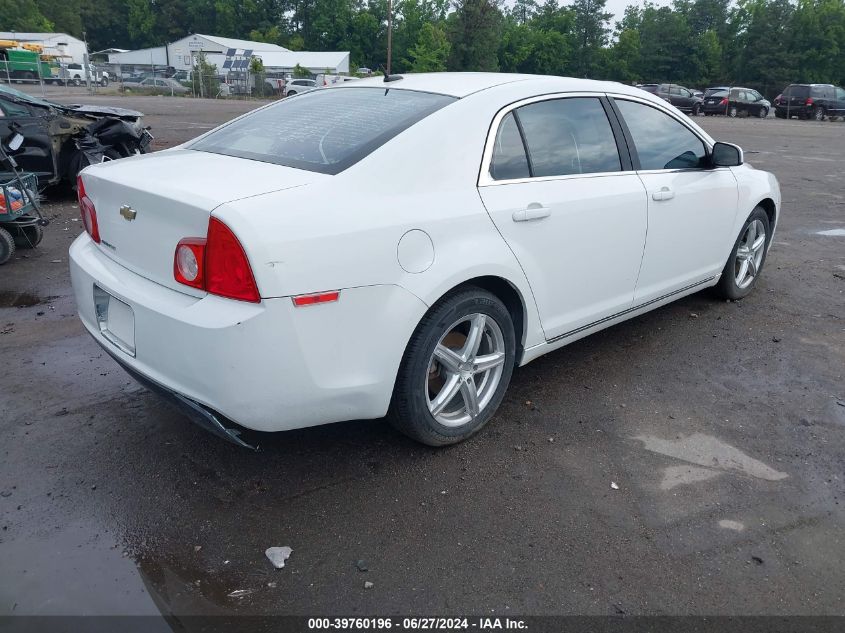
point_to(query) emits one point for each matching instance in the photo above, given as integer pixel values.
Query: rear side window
(509, 160)
(323, 130)
(802, 92)
(568, 136)
(661, 141)
(820, 92)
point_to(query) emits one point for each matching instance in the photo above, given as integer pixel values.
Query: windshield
(22, 96)
(325, 130)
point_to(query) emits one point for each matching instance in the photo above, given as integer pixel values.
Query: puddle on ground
(680, 475)
(731, 525)
(13, 299)
(832, 233)
(75, 570)
(710, 452)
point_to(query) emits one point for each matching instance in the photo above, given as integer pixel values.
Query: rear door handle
(664, 193)
(533, 211)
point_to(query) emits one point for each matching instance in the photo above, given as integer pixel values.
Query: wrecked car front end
(61, 140)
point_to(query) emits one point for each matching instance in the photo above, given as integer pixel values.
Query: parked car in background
(251, 278)
(810, 101)
(680, 97)
(78, 74)
(736, 102)
(697, 93)
(714, 89)
(295, 86)
(159, 85)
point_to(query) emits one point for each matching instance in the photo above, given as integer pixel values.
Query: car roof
(464, 84)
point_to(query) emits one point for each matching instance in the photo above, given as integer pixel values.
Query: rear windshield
(325, 130)
(801, 92)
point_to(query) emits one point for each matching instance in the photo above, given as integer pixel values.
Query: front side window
(661, 141)
(509, 160)
(840, 94)
(323, 130)
(568, 136)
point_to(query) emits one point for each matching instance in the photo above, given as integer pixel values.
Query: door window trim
(622, 148)
(708, 147)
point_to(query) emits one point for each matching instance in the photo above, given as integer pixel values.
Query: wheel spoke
(752, 267)
(751, 234)
(446, 395)
(448, 358)
(758, 243)
(476, 333)
(469, 392)
(488, 361)
(743, 271)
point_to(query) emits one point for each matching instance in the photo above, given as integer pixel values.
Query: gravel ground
(722, 424)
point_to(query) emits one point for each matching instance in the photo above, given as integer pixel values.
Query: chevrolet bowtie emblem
(128, 212)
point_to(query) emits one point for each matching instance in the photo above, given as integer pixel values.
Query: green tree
(474, 31)
(23, 15)
(591, 31)
(431, 50)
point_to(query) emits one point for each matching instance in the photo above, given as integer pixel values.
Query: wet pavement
(721, 425)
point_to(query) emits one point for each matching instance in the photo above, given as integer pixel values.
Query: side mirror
(15, 142)
(726, 155)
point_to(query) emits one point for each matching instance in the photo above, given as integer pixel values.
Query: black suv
(810, 101)
(680, 97)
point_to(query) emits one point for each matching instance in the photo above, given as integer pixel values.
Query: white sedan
(465, 225)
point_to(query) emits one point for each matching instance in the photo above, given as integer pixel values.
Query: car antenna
(389, 78)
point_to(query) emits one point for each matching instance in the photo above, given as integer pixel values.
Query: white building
(181, 55)
(67, 47)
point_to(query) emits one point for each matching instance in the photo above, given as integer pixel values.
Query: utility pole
(389, 34)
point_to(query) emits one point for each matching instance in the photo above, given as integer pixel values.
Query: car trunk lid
(145, 205)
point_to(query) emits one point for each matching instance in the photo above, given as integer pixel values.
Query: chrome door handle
(533, 211)
(663, 194)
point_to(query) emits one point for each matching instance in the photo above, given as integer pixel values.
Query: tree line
(764, 44)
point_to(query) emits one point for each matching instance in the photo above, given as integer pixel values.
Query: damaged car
(61, 140)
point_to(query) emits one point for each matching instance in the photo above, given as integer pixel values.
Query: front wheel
(696, 110)
(747, 257)
(763, 113)
(456, 368)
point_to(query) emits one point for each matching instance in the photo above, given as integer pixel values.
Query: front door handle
(533, 211)
(663, 194)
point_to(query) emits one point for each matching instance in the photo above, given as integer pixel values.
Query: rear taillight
(778, 98)
(723, 102)
(216, 264)
(188, 263)
(809, 101)
(87, 210)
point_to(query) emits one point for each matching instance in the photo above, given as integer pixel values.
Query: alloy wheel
(465, 369)
(749, 254)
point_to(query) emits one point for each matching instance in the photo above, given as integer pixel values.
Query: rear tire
(733, 112)
(818, 113)
(447, 389)
(748, 256)
(7, 246)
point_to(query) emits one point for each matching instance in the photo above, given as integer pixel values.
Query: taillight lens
(88, 212)
(723, 102)
(778, 98)
(216, 264)
(189, 262)
(809, 101)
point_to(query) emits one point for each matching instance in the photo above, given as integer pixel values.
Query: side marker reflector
(310, 300)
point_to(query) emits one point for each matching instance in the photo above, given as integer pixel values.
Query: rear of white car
(168, 289)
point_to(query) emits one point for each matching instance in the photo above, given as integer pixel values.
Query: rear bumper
(267, 366)
(793, 110)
